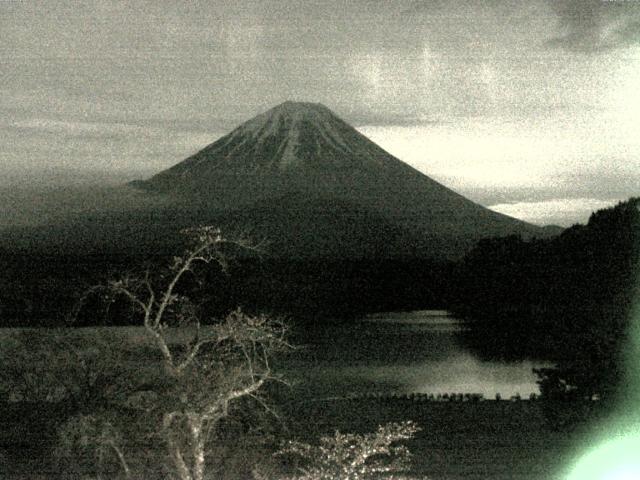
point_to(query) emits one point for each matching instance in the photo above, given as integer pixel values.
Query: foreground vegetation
(94, 403)
(497, 440)
(95, 392)
(173, 402)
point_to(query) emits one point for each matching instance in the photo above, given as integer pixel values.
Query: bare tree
(208, 366)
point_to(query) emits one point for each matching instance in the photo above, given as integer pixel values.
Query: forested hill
(567, 298)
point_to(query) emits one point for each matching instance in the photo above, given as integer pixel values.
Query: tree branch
(120, 455)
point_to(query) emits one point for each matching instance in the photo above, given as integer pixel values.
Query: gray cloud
(82, 129)
(363, 117)
(440, 6)
(593, 26)
(582, 26)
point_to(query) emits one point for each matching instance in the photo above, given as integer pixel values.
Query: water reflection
(401, 353)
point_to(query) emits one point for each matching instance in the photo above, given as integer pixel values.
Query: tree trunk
(198, 439)
(174, 449)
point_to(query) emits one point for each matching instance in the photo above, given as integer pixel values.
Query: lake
(399, 353)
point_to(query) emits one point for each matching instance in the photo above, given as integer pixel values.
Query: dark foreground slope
(470, 441)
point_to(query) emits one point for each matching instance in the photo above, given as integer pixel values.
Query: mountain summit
(298, 167)
(290, 136)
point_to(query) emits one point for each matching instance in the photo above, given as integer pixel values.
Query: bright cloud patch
(565, 211)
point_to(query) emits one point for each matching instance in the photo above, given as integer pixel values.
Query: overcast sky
(532, 107)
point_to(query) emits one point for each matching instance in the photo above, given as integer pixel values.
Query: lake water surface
(400, 353)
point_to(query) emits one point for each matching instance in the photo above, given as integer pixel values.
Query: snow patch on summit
(292, 142)
(286, 122)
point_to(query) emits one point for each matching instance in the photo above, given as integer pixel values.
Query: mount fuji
(315, 186)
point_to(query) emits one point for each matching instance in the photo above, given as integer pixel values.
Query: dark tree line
(41, 288)
(566, 299)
